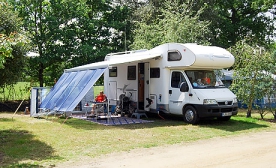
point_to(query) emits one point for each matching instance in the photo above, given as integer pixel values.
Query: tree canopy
(68, 33)
(235, 20)
(13, 45)
(176, 22)
(253, 70)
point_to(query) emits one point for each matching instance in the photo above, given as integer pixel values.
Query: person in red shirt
(99, 98)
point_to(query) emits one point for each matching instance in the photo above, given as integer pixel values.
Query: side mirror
(184, 87)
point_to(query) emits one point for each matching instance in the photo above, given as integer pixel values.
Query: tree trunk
(40, 75)
(41, 67)
(248, 114)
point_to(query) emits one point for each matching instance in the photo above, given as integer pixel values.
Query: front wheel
(190, 115)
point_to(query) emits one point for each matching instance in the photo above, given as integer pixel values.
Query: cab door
(177, 98)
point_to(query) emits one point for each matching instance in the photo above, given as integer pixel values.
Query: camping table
(91, 105)
(101, 103)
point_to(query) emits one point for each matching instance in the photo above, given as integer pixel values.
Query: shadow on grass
(80, 124)
(23, 165)
(20, 145)
(233, 125)
(6, 119)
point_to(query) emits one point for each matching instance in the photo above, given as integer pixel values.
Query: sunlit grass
(44, 142)
(18, 91)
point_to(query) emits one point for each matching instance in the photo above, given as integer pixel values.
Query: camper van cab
(173, 78)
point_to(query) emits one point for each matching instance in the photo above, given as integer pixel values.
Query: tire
(224, 118)
(190, 115)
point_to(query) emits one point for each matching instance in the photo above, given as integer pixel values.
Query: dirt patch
(11, 106)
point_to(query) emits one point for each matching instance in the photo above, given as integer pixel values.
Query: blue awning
(70, 89)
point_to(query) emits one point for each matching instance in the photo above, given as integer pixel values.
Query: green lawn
(18, 91)
(32, 142)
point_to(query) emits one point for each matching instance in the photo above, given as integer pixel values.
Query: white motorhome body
(170, 78)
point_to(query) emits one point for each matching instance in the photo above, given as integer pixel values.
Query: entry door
(112, 92)
(147, 86)
(143, 83)
(176, 98)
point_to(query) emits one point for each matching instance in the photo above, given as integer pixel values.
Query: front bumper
(216, 110)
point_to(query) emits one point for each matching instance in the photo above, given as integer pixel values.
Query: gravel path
(252, 150)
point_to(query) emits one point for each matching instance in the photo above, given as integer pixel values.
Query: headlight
(235, 100)
(209, 101)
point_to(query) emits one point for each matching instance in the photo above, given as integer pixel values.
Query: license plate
(226, 114)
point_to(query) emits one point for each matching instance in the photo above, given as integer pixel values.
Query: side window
(131, 73)
(174, 56)
(113, 72)
(154, 72)
(176, 79)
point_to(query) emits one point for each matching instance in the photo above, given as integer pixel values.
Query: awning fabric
(70, 89)
(76, 82)
(126, 58)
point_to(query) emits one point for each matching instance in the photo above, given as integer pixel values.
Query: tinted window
(131, 73)
(176, 79)
(154, 72)
(113, 72)
(174, 56)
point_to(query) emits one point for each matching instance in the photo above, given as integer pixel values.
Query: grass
(97, 89)
(18, 91)
(32, 142)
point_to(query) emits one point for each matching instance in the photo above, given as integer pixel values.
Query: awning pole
(108, 112)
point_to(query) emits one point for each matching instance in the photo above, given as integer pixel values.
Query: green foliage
(235, 20)
(13, 46)
(253, 71)
(175, 23)
(8, 24)
(18, 91)
(14, 66)
(69, 33)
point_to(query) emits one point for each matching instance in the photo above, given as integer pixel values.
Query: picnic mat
(113, 120)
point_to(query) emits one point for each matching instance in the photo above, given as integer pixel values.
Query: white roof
(209, 57)
(194, 57)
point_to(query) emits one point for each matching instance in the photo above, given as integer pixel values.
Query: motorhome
(173, 78)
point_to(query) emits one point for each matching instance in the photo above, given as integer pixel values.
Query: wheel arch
(188, 105)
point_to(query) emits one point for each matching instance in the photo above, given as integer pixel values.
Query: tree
(272, 91)
(13, 45)
(68, 33)
(175, 23)
(235, 20)
(252, 73)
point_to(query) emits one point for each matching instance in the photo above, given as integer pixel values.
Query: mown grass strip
(30, 142)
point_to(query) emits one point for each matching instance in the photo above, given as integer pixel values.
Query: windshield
(204, 78)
